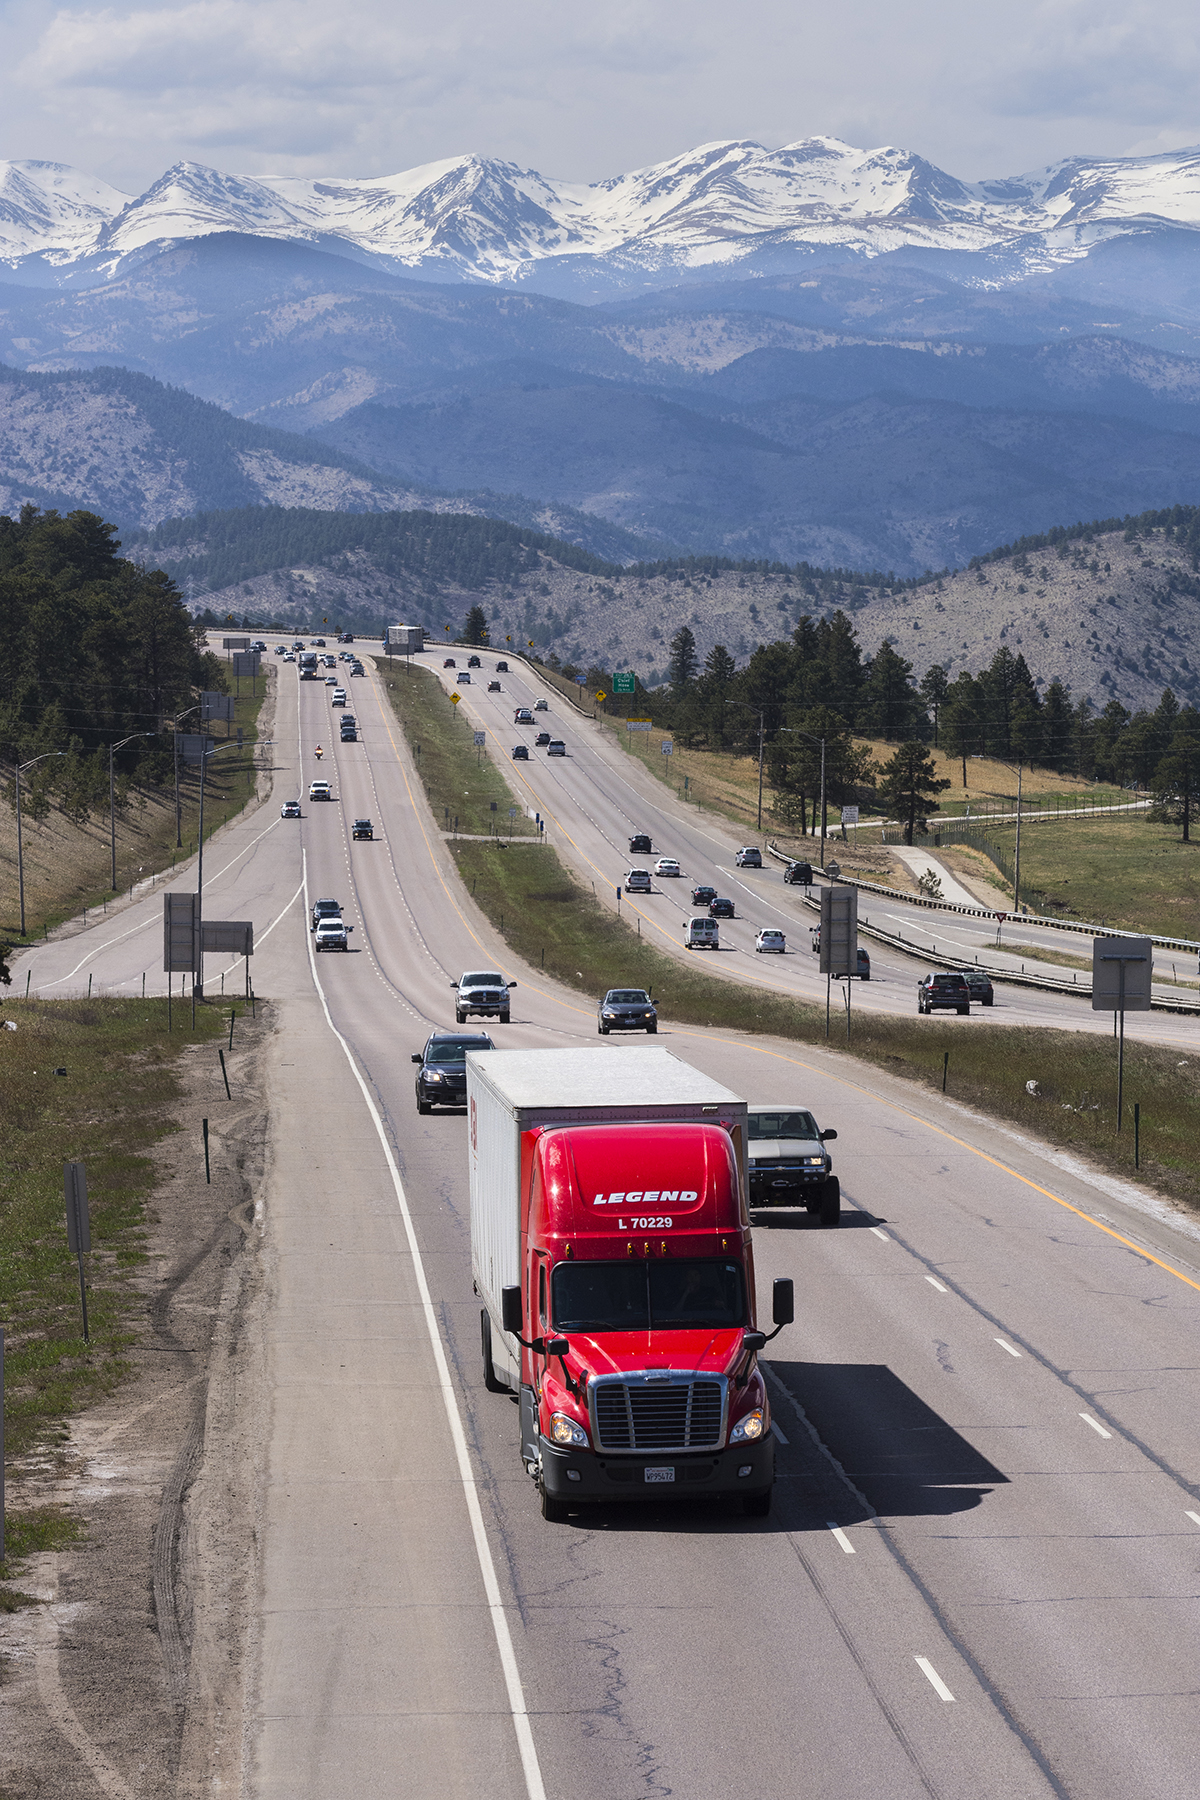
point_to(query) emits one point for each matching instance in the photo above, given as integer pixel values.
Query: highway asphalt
(980, 1574)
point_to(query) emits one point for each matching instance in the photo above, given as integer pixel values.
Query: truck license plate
(659, 1474)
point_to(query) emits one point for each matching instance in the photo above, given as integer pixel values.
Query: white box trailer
(513, 1091)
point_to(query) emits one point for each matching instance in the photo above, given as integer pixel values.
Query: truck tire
(424, 1107)
(814, 1202)
(460, 1018)
(504, 1018)
(831, 1204)
(554, 1510)
(758, 1506)
(489, 1368)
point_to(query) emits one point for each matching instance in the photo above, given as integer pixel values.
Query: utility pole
(21, 767)
(112, 796)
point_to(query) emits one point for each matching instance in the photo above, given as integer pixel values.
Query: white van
(701, 933)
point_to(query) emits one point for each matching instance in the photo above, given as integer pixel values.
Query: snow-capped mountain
(722, 209)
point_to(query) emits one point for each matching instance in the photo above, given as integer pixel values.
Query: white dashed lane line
(933, 1678)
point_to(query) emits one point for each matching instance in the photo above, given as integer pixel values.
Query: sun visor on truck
(599, 1178)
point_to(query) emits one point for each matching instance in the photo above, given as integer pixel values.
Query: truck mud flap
(530, 1450)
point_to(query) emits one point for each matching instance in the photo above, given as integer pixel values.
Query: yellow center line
(811, 1068)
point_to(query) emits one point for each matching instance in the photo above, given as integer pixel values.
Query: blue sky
(278, 87)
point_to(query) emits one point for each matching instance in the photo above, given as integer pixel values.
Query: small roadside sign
(624, 683)
(1121, 971)
(639, 724)
(454, 699)
(480, 738)
(666, 749)
(849, 815)
(601, 696)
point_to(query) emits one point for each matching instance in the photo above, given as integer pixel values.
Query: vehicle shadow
(796, 1218)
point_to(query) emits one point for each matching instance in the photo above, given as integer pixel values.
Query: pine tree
(890, 706)
(475, 627)
(1176, 784)
(935, 685)
(908, 785)
(681, 668)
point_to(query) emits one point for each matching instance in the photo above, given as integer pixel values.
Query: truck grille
(658, 1415)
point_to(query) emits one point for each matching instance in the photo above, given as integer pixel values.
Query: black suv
(442, 1078)
(800, 873)
(943, 990)
(980, 985)
(640, 845)
(325, 909)
(363, 828)
(789, 1164)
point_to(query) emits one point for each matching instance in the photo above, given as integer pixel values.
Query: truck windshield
(646, 1296)
(782, 1125)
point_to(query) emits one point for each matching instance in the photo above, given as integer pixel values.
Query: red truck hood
(704, 1351)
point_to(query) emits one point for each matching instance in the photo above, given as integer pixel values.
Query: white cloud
(373, 86)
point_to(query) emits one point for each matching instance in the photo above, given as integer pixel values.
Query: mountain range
(730, 207)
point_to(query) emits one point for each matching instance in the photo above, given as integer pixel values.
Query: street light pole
(1017, 857)
(175, 740)
(198, 983)
(21, 767)
(112, 797)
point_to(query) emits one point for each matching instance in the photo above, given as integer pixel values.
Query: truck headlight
(748, 1429)
(564, 1430)
(814, 1162)
(433, 1075)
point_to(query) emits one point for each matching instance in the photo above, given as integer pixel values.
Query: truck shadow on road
(795, 1218)
(895, 1449)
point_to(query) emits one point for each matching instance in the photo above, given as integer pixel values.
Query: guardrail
(983, 912)
(1051, 984)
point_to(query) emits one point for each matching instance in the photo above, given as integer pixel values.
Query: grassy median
(87, 1081)
(553, 922)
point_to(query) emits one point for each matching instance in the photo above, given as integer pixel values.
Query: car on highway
(346, 637)
(493, 687)
(473, 662)
(463, 678)
(942, 990)
(330, 662)
(358, 669)
(720, 908)
(640, 845)
(799, 873)
(502, 668)
(770, 939)
(637, 881)
(297, 643)
(981, 987)
(338, 697)
(448, 662)
(331, 681)
(363, 829)
(668, 867)
(442, 1080)
(290, 809)
(324, 909)
(556, 747)
(789, 1164)
(349, 734)
(320, 790)
(332, 934)
(281, 649)
(347, 656)
(348, 719)
(701, 933)
(703, 894)
(520, 753)
(541, 740)
(538, 705)
(289, 656)
(318, 643)
(522, 716)
(749, 858)
(482, 992)
(626, 1009)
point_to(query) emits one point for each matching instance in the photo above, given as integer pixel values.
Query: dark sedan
(442, 1075)
(720, 908)
(702, 895)
(626, 1009)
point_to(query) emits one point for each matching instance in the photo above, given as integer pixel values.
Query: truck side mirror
(783, 1300)
(754, 1340)
(556, 1346)
(512, 984)
(417, 1057)
(828, 1136)
(454, 984)
(511, 1315)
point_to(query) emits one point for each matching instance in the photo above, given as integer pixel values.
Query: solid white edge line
(1194, 1517)
(841, 1537)
(937, 1285)
(778, 1433)
(881, 1234)
(504, 1644)
(934, 1679)
(1095, 1424)
(1008, 1347)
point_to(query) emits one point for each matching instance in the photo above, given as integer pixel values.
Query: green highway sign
(624, 684)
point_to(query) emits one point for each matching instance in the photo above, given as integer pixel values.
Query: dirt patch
(118, 1676)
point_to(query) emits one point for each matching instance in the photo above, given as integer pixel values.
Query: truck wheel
(460, 1018)
(813, 1204)
(504, 1018)
(758, 1506)
(489, 1368)
(831, 1204)
(554, 1510)
(423, 1107)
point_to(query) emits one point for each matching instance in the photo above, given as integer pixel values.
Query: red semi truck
(611, 1247)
